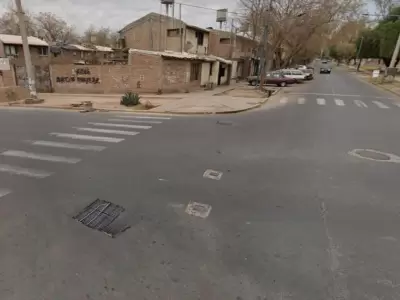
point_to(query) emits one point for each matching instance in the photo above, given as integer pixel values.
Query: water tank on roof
(222, 15)
(167, 2)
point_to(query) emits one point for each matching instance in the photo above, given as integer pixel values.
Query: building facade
(157, 32)
(241, 50)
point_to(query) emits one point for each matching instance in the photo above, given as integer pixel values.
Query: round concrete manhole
(375, 155)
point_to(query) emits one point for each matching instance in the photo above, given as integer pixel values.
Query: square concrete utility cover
(103, 216)
(212, 174)
(198, 209)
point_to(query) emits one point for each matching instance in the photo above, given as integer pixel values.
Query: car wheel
(253, 83)
(283, 84)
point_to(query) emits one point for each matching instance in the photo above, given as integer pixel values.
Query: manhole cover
(198, 209)
(103, 216)
(212, 174)
(375, 155)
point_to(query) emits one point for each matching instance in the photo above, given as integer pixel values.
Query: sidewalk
(366, 75)
(226, 99)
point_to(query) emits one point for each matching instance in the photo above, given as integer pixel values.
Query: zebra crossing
(94, 137)
(338, 102)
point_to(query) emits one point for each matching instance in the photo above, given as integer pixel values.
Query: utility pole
(359, 52)
(25, 46)
(264, 48)
(395, 53)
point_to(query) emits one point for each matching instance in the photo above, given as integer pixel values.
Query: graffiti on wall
(78, 77)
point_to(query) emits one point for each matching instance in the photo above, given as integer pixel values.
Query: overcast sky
(117, 13)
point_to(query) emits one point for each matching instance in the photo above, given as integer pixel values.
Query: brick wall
(147, 73)
(7, 78)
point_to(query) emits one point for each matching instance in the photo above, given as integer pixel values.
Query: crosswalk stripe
(380, 104)
(4, 192)
(46, 157)
(359, 103)
(68, 146)
(22, 171)
(135, 121)
(397, 104)
(107, 131)
(283, 100)
(144, 117)
(339, 102)
(87, 137)
(301, 100)
(120, 125)
(321, 101)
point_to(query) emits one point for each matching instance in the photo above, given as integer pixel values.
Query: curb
(78, 109)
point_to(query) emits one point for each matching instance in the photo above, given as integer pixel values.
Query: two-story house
(240, 49)
(161, 33)
(157, 32)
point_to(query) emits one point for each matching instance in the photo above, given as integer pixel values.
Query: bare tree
(103, 36)
(383, 6)
(293, 24)
(55, 29)
(9, 22)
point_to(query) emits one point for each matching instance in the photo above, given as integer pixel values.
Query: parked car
(309, 73)
(298, 75)
(276, 78)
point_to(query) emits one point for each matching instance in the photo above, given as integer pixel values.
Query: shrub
(130, 99)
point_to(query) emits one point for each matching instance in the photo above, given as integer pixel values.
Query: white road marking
(68, 146)
(201, 210)
(339, 102)
(301, 100)
(283, 100)
(144, 117)
(380, 104)
(359, 103)
(4, 192)
(107, 131)
(87, 137)
(397, 104)
(134, 121)
(46, 157)
(340, 95)
(22, 171)
(321, 101)
(120, 125)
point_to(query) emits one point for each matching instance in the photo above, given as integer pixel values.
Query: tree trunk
(359, 64)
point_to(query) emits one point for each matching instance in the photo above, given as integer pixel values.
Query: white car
(295, 74)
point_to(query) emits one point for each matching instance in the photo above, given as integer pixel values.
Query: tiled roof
(17, 40)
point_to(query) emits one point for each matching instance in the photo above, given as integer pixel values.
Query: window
(10, 50)
(44, 51)
(173, 32)
(225, 41)
(200, 38)
(211, 69)
(194, 71)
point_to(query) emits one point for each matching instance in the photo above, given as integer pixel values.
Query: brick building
(147, 72)
(241, 50)
(81, 54)
(11, 47)
(157, 32)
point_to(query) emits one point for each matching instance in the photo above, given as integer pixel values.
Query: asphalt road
(294, 215)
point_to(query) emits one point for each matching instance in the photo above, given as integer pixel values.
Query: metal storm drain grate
(212, 174)
(198, 209)
(103, 216)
